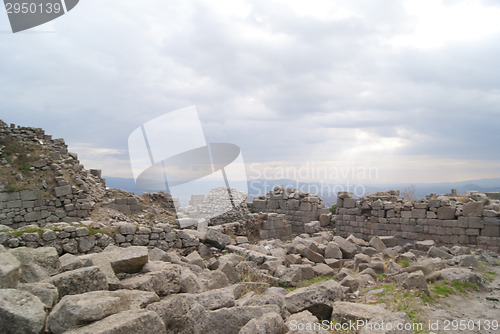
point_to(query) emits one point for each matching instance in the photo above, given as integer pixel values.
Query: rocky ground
(315, 283)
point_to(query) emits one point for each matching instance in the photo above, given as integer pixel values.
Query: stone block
(63, 191)
(446, 212)
(473, 209)
(349, 203)
(30, 195)
(418, 213)
(475, 222)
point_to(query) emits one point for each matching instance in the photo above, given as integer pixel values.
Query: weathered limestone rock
(77, 310)
(424, 245)
(304, 323)
(133, 321)
(437, 252)
(322, 269)
(346, 311)
(36, 263)
(163, 282)
(79, 281)
(21, 312)
(377, 243)
(127, 260)
(461, 275)
(351, 282)
(416, 280)
(47, 292)
(348, 249)
(332, 251)
(10, 270)
(195, 258)
(318, 298)
(215, 299)
(181, 313)
(313, 256)
(268, 298)
(231, 320)
(217, 239)
(268, 323)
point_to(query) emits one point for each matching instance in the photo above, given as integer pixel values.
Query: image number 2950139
(26, 14)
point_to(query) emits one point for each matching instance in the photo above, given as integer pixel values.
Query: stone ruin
(469, 220)
(298, 208)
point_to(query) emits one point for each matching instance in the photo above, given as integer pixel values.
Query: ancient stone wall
(83, 239)
(64, 190)
(298, 207)
(471, 220)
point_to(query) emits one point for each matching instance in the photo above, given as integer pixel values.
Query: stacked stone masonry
(82, 240)
(71, 195)
(275, 226)
(445, 219)
(297, 207)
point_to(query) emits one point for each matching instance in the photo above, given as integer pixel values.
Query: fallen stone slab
(318, 298)
(392, 322)
(47, 292)
(79, 310)
(216, 299)
(348, 249)
(132, 321)
(217, 239)
(180, 313)
(128, 260)
(37, 263)
(79, 281)
(21, 312)
(346, 311)
(437, 252)
(304, 323)
(268, 323)
(10, 270)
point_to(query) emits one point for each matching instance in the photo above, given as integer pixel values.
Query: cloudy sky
(406, 90)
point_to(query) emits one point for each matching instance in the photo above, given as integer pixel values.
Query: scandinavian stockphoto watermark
(170, 154)
(325, 180)
(26, 14)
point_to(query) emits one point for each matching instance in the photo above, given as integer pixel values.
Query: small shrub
(333, 209)
(405, 262)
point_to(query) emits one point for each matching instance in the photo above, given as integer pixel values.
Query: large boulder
(348, 249)
(416, 280)
(268, 298)
(181, 313)
(317, 298)
(217, 239)
(78, 310)
(47, 292)
(79, 281)
(132, 321)
(216, 299)
(266, 324)
(21, 312)
(460, 275)
(353, 312)
(393, 323)
(10, 270)
(231, 320)
(37, 263)
(128, 260)
(163, 282)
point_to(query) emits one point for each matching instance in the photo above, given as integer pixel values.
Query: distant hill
(328, 192)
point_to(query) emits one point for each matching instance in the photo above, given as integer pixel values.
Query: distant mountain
(328, 192)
